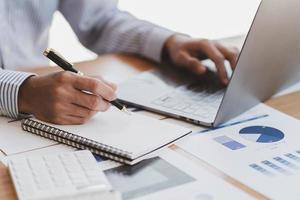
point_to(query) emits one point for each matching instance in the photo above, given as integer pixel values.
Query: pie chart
(261, 134)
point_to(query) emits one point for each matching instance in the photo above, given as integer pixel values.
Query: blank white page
(133, 133)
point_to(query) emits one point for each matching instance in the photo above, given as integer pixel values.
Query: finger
(231, 54)
(79, 111)
(191, 63)
(69, 120)
(89, 101)
(111, 84)
(96, 87)
(218, 58)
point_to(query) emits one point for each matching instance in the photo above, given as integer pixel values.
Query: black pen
(67, 66)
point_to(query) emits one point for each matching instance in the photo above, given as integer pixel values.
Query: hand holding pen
(67, 66)
(58, 98)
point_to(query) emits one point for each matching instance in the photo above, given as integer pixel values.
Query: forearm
(10, 83)
(125, 33)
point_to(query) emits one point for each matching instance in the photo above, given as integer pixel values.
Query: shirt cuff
(155, 42)
(10, 82)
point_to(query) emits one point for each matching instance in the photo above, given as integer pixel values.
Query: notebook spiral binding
(76, 141)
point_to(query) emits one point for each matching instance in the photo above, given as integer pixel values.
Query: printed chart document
(263, 153)
(168, 176)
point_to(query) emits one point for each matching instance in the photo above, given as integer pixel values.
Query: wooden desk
(115, 66)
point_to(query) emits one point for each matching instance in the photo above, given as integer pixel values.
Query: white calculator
(68, 176)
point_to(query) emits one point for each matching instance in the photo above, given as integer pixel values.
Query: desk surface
(115, 66)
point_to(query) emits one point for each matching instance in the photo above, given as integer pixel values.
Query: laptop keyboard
(202, 104)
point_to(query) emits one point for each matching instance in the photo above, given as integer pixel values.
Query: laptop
(269, 62)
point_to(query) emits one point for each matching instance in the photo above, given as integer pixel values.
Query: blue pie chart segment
(261, 134)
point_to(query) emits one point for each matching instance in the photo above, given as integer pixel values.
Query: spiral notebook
(113, 134)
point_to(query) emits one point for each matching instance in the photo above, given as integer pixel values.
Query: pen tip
(126, 111)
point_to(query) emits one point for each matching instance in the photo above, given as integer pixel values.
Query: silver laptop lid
(269, 60)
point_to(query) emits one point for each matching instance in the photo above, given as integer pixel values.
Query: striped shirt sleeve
(103, 28)
(10, 82)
